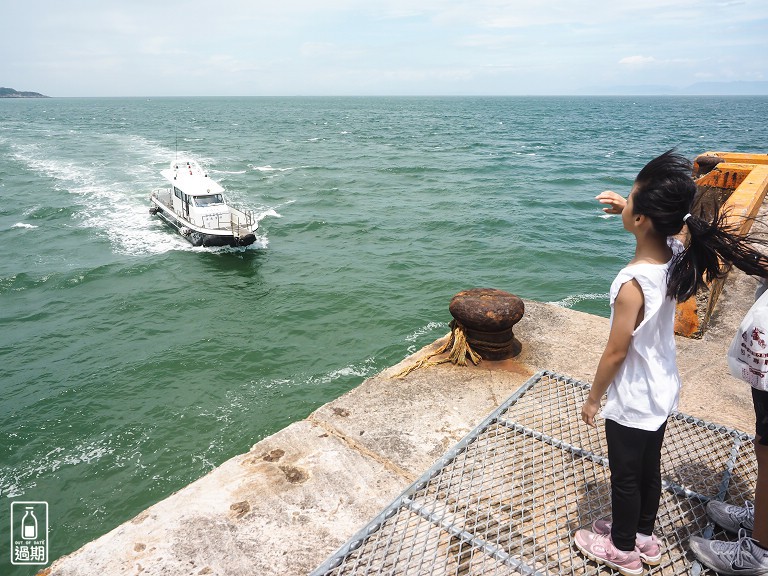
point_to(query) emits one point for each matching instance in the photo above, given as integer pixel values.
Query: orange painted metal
(742, 180)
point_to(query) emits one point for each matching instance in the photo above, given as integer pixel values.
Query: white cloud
(327, 50)
(637, 60)
(227, 64)
(345, 46)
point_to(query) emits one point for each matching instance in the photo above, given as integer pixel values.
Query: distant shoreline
(692, 97)
(11, 93)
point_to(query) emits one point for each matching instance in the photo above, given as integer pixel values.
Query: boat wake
(109, 194)
(269, 168)
(16, 482)
(571, 301)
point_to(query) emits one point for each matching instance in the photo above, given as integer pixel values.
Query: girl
(638, 368)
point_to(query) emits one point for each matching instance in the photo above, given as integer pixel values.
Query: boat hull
(197, 236)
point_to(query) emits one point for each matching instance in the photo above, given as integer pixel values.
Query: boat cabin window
(176, 192)
(210, 200)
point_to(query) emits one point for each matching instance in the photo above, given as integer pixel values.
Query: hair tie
(686, 216)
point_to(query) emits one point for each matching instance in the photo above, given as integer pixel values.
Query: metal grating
(507, 498)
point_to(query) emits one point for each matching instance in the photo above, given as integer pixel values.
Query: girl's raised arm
(615, 202)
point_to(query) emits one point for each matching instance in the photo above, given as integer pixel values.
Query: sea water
(132, 363)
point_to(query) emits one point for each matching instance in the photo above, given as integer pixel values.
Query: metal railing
(508, 497)
(239, 222)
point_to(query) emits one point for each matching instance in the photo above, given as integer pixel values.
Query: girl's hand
(615, 202)
(589, 410)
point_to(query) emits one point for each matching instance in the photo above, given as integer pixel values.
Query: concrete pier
(295, 497)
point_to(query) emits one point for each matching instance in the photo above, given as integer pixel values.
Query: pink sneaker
(650, 550)
(599, 548)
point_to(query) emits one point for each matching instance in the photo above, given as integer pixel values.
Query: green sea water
(132, 363)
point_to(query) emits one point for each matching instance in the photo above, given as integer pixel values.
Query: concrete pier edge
(296, 496)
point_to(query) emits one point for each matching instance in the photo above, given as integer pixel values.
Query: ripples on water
(134, 363)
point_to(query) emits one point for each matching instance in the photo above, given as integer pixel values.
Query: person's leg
(748, 555)
(760, 530)
(651, 482)
(617, 548)
(625, 459)
(734, 518)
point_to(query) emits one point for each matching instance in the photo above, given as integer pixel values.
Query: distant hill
(757, 88)
(743, 88)
(11, 93)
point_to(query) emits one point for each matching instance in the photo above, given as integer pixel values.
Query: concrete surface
(298, 495)
(295, 497)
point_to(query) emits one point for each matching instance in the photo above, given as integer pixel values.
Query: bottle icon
(29, 524)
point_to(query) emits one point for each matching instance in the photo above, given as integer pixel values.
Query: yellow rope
(460, 351)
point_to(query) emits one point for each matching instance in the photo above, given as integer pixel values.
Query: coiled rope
(460, 351)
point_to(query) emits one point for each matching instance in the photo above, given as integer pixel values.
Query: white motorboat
(194, 205)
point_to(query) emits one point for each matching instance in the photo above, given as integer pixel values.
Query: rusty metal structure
(736, 183)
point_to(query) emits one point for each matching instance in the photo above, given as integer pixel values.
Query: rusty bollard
(482, 328)
(487, 317)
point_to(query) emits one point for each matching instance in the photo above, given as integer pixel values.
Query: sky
(381, 47)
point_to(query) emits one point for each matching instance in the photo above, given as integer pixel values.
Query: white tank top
(646, 388)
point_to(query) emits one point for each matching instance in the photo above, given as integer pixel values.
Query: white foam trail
(424, 330)
(269, 168)
(22, 478)
(23, 225)
(571, 301)
(362, 370)
(260, 243)
(270, 212)
(119, 209)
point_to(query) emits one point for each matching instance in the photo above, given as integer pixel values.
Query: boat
(194, 205)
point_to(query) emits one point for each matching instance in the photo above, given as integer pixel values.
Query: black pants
(760, 401)
(634, 458)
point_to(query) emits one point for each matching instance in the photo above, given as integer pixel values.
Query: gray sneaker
(731, 558)
(732, 518)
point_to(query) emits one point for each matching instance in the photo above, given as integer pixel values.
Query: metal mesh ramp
(506, 499)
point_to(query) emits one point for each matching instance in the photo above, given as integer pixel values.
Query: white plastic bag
(748, 353)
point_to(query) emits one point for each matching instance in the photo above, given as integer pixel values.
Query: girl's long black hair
(665, 192)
